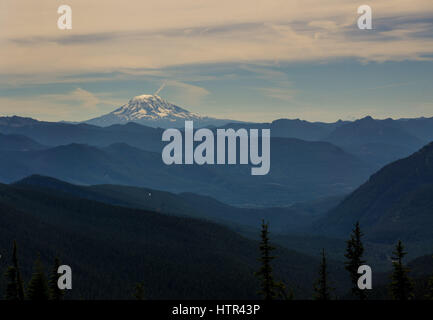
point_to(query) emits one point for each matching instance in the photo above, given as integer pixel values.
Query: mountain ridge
(299, 170)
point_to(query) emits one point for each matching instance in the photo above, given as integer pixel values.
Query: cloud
(73, 105)
(283, 94)
(78, 97)
(186, 94)
(107, 36)
(239, 45)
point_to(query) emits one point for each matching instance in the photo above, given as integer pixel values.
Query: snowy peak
(154, 111)
(152, 107)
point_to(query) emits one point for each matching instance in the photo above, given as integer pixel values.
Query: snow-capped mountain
(154, 111)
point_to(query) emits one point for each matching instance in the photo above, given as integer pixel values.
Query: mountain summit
(154, 111)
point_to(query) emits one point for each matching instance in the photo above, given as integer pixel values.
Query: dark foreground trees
(322, 290)
(14, 283)
(38, 285)
(139, 291)
(55, 292)
(267, 284)
(430, 289)
(354, 254)
(401, 285)
(270, 289)
(11, 284)
(38, 288)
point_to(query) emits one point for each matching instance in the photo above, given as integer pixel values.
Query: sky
(252, 60)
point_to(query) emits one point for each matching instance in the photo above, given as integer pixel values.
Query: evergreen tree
(38, 286)
(430, 289)
(19, 281)
(269, 288)
(429, 294)
(322, 289)
(11, 284)
(401, 285)
(282, 291)
(55, 292)
(139, 291)
(354, 253)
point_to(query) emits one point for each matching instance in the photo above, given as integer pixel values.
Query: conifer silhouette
(354, 253)
(401, 285)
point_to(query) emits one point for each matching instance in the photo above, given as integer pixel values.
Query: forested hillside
(112, 248)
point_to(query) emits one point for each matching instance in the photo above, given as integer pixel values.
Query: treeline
(401, 286)
(39, 288)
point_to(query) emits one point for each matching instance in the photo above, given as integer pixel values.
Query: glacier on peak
(154, 111)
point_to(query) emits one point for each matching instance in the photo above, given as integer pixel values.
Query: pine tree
(430, 289)
(139, 291)
(282, 291)
(401, 285)
(321, 288)
(354, 253)
(19, 281)
(269, 288)
(55, 292)
(38, 286)
(429, 295)
(11, 284)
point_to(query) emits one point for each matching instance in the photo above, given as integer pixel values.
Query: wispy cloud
(187, 94)
(75, 105)
(110, 36)
(217, 57)
(283, 94)
(392, 85)
(78, 97)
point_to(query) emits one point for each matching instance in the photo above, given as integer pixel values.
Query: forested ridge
(111, 248)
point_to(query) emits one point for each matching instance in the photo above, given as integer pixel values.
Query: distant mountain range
(395, 203)
(376, 142)
(380, 141)
(300, 171)
(309, 160)
(153, 111)
(102, 185)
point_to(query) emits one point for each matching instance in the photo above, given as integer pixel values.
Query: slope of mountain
(292, 219)
(300, 171)
(153, 111)
(288, 225)
(133, 197)
(56, 133)
(111, 248)
(16, 121)
(18, 143)
(422, 128)
(395, 203)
